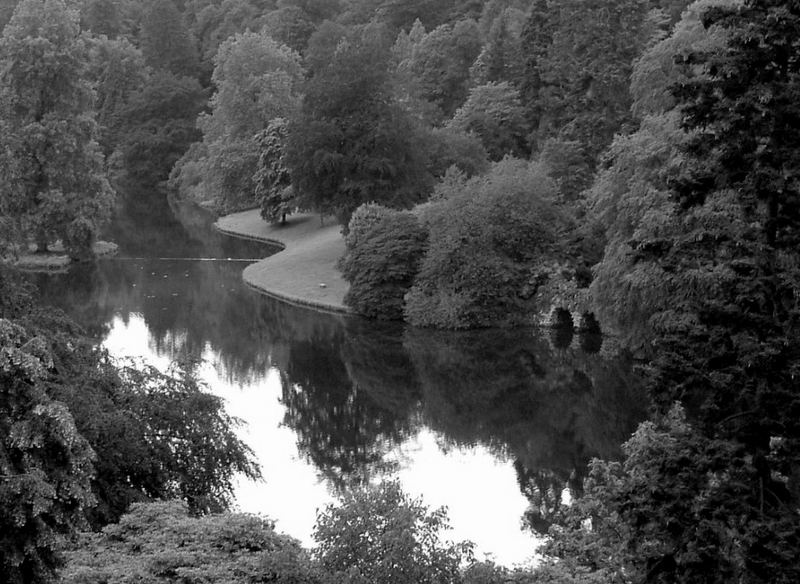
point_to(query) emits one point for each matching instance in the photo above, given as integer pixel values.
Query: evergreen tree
(45, 465)
(272, 178)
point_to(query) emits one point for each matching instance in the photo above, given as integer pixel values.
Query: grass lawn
(304, 272)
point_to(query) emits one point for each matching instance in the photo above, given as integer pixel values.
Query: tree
(625, 198)
(153, 435)
(744, 111)
(157, 124)
(661, 66)
(494, 113)
(156, 435)
(52, 171)
(439, 63)
(217, 21)
(102, 17)
(160, 542)
(579, 94)
(272, 178)
(45, 464)
(680, 507)
(291, 26)
(488, 237)
(380, 264)
(116, 70)
(501, 58)
(714, 270)
(351, 143)
(165, 39)
(257, 80)
(382, 535)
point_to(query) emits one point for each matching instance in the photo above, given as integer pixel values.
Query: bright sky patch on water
(481, 494)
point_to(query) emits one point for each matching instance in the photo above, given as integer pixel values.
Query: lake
(493, 424)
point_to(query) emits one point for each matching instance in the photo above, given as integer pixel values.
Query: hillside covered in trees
(636, 160)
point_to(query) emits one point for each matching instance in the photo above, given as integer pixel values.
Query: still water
(492, 424)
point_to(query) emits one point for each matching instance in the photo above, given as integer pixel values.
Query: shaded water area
(492, 423)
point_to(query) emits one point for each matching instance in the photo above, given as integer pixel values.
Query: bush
(487, 235)
(380, 535)
(383, 256)
(363, 219)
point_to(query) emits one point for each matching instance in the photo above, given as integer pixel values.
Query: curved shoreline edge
(303, 273)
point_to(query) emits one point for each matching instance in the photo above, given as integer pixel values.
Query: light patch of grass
(304, 272)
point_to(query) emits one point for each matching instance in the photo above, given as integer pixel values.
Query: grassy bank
(304, 272)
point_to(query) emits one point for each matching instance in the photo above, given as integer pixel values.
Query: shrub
(363, 219)
(381, 535)
(381, 261)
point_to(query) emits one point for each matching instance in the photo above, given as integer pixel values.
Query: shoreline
(303, 273)
(56, 260)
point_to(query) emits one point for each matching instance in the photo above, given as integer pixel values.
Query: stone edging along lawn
(304, 272)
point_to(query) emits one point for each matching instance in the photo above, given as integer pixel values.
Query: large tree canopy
(51, 171)
(352, 143)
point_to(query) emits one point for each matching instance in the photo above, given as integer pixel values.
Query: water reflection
(353, 391)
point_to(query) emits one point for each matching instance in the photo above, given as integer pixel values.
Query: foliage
(703, 220)
(362, 221)
(228, 173)
(272, 178)
(661, 66)
(494, 113)
(487, 236)
(103, 17)
(160, 542)
(381, 535)
(744, 111)
(45, 464)
(214, 22)
(381, 264)
(579, 94)
(52, 180)
(568, 164)
(165, 40)
(116, 70)
(290, 25)
(448, 147)
(628, 195)
(257, 80)
(157, 125)
(436, 66)
(680, 507)
(351, 142)
(154, 435)
(501, 58)
(157, 435)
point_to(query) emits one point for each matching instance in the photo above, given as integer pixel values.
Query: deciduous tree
(352, 143)
(384, 536)
(51, 176)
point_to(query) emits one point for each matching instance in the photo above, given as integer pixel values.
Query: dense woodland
(485, 158)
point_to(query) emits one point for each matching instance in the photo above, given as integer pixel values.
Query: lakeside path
(308, 259)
